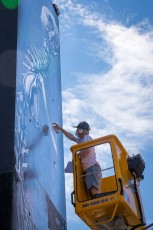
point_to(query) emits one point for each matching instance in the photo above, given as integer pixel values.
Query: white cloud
(121, 96)
(120, 99)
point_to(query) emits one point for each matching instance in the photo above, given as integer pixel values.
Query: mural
(37, 61)
(40, 197)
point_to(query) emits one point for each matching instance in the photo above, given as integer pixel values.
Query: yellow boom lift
(119, 206)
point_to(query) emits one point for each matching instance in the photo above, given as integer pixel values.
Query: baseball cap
(83, 125)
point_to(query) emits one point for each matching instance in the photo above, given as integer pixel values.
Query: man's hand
(56, 127)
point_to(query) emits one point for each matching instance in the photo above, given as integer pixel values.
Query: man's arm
(66, 133)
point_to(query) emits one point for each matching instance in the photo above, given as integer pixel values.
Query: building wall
(38, 194)
(8, 41)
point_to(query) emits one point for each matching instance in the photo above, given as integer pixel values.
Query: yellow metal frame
(118, 197)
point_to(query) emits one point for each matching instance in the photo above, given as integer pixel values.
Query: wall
(37, 168)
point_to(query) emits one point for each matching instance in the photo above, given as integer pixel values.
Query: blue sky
(107, 79)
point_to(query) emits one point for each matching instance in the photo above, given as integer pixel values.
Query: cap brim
(76, 127)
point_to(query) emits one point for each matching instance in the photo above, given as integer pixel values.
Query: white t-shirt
(88, 159)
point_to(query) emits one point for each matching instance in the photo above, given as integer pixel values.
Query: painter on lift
(91, 167)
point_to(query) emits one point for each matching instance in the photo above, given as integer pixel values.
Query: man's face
(79, 132)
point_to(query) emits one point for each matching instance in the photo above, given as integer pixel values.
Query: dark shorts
(93, 176)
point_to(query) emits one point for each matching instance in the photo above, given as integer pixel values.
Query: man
(90, 165)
